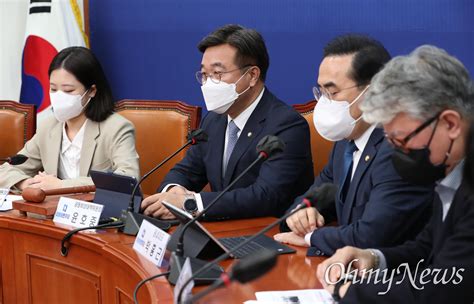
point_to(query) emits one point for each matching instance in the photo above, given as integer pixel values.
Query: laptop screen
(114, 191)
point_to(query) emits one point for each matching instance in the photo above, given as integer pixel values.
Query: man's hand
(330, 271)
(305, 221)
(45, 181)
(152, 205)
(290, 238)
(178, 190)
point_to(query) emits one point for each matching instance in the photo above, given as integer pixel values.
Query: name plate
(77, 213)
(185, 274)
(5, 203)
(151, 243)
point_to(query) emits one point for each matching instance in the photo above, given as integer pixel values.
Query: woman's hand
(46, 181)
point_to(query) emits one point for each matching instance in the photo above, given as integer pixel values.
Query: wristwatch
(376, 259)
(190, 206)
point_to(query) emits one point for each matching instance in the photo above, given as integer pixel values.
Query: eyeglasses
(318, 92)
(401, 143)
(216, 75)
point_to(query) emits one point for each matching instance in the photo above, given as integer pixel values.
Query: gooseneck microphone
(15, 159)
(314, 196)
(266, 147)
(248, 269)
(132, 219)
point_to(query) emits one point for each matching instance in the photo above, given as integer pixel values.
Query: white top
(70, 155)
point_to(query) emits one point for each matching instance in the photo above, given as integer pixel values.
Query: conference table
(102, 266)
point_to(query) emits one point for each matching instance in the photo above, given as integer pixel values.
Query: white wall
(13, 15)
(12, 28)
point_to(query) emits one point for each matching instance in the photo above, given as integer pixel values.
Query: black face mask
(415, 166)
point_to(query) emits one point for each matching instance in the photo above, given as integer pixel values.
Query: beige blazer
(108, 146)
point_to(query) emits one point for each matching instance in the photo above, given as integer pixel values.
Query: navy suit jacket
(442, 245)
(270, 186)
(380, 209)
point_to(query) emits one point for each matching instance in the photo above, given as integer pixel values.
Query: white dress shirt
(240, 121)
(70, 155)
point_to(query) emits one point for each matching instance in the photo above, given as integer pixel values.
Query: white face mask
(332, 119)
(219, 97)
(67, 106)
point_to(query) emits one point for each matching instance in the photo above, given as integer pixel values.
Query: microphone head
(17, 159)
(197, 135)
(322, 195)
(254, 266)
(270, 145)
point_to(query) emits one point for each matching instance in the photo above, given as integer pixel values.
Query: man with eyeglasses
(374, 206)
(241, 112)
(425, 102)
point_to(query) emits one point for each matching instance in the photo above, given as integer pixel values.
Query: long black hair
(81, 62)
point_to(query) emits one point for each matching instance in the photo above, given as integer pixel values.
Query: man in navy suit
(425, 102)
(374, 205)
(242, 111)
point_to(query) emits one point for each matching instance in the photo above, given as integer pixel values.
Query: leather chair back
(18, 125)
(320, 147)
(161, 127)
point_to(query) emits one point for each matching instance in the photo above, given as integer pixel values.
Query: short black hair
(370, 55)
(81, 62)
(251, 48)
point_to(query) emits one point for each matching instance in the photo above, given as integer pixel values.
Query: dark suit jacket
(268, 188)
(442, 245)
(380, 209)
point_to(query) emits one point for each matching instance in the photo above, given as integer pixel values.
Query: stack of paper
(305, 296)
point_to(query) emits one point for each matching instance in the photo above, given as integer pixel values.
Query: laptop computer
(113, 191)
(200, 243)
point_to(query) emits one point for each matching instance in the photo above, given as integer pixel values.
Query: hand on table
(42, 181)
(290, 238)
(26, 183)
(153, 205)
(305, 221)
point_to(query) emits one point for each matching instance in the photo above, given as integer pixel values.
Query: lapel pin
(367, 158)
(249, 134)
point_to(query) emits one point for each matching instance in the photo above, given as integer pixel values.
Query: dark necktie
(348, 160)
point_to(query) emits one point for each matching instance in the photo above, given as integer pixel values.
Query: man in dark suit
(424, 101)
(242, 111)
(374, 205)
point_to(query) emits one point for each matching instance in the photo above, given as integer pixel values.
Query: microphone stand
(177, 256)
(306, 203)
(134, 219)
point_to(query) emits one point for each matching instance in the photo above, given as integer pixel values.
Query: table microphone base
(133, 221)
(205, 278)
